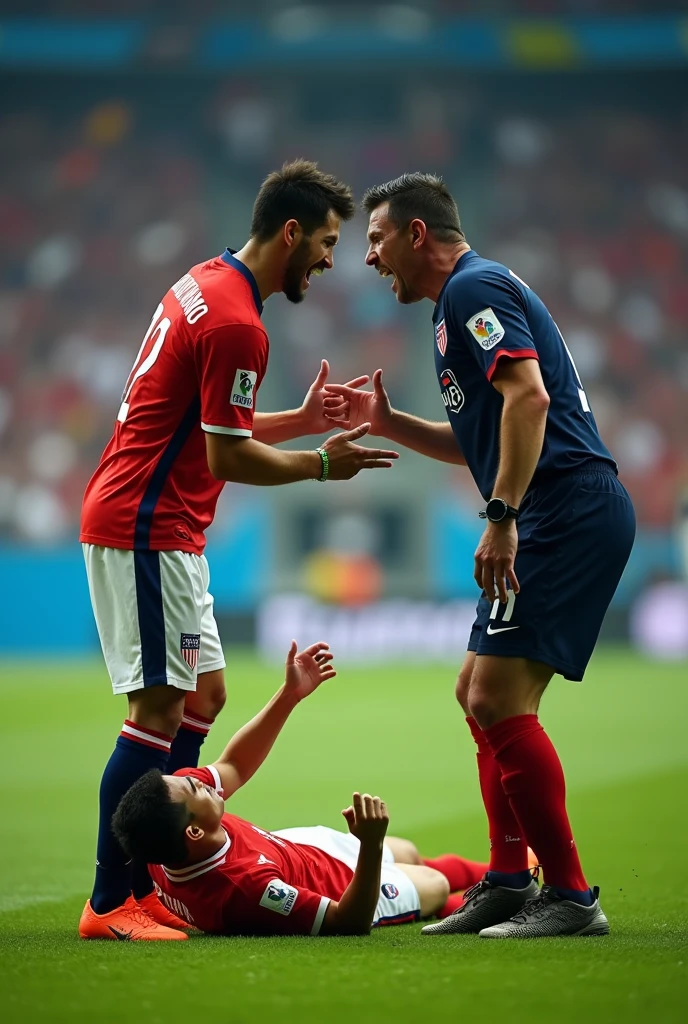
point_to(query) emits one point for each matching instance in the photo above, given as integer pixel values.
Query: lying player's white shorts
(154, 616)
(399, 900)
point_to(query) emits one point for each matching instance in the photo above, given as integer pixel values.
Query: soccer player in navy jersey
(559, 530)
(186, 424)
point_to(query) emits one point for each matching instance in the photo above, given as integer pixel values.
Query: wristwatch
(497, 509)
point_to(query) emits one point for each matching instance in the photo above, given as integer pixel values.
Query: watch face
(496, 510)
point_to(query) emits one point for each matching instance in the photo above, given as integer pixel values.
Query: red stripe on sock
(459, 872)
(508, 847)
(151, 732)
(533, 780)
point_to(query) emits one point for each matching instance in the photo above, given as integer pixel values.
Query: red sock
(453, 903)
(459, 872)
(533, 780)
(508, 847)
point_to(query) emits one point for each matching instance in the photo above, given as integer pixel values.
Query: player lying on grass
(224, 875)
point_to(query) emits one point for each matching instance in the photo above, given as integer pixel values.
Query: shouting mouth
(309, 273)
(384, 272)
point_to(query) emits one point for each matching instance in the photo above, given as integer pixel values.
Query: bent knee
(463, 685)
(210, 696)
(404, 851)
(433, 891)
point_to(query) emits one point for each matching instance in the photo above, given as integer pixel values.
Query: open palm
(362, 406)
(307, 669)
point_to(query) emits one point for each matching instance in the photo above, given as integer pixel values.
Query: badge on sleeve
(485, 328)
(242, 390)
(279, 897)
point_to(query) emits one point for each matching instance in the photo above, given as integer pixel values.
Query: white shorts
(399, 901)
(154, 616)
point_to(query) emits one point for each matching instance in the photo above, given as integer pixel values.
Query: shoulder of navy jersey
(485, 308)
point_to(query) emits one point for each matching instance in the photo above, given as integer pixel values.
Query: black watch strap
(497, 510)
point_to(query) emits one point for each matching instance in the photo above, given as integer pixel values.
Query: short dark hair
(302, 192)
(418, 195)
(149, 824)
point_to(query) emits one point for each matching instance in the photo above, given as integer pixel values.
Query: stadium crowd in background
(104, 199)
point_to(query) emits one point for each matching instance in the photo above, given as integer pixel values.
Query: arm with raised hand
(433, 439)
(368, 820)
(248, 748)
(310, 418)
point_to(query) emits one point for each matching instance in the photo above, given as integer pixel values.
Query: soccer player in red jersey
(186, 424)
(227, 876)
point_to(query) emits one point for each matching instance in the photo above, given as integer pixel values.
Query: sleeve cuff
(234, 431)
(320, 916)
(510, 353)
(216, 776)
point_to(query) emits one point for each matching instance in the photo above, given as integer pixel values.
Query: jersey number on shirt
(160, 327)
(581, 393)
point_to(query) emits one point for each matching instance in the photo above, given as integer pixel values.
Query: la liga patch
(486, 328)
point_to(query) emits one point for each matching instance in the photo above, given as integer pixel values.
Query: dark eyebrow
(188, 779)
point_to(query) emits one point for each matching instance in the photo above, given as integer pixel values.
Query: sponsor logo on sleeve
(485, 328)
(390, 891)
(279, 897)
(242, 390)
(452, 395)
(441, 337)
(190, 645)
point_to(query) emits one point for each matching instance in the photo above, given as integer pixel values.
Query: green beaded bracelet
(325, 460)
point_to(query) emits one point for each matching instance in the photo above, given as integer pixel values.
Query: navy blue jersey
(485, 313)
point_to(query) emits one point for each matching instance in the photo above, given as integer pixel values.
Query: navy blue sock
(186, 746)
(583, 896)
(137, 751)
(510, 880)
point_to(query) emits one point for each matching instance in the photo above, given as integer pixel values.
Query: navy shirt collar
(228, 257)
(457, 268)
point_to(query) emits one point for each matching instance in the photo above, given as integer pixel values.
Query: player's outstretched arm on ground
(274, 427)
(368, 820)
(247, 461)
(248, 748)
(435, 440)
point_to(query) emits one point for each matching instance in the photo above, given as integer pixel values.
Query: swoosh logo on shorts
(504, 629)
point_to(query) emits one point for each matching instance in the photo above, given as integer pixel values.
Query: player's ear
(194, 833)
(418, 232)
(292, 232)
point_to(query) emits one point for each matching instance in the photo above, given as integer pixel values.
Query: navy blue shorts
(575, 535)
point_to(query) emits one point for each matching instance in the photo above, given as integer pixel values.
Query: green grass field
(396, 731)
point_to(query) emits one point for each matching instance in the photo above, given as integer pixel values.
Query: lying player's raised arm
(248, 748)
(368, 820)
(433, 439)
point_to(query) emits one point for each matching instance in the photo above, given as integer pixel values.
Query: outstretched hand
(371, 407)
(307, 669)
(321, 411)
(346, 459)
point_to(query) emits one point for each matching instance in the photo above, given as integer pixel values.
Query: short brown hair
(418, 195)
(301, 192)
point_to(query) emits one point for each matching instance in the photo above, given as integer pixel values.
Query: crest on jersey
(390, 891)
(452, 395)
(441, 337)
(242, 389)
(486, 328)
(279, 897)
(190, 645)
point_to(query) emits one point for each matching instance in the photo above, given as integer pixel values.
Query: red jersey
(198, 369)
(256, 884)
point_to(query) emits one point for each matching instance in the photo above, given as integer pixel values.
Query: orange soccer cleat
(154, 906)
(128, 923)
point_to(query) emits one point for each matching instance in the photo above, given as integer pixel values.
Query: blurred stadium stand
(132, 145)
